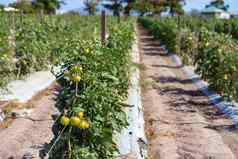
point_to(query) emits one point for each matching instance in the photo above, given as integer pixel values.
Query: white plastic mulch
(24, 90)
(132, 139)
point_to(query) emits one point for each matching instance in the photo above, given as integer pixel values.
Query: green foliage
(129, 6)
(48, 6)
(24, 6)
(175, 6)
(35, 43)
(166, 30)
(144, 7)
(91, 6)
(6, 51)
(218, 25)
(217, 63)
(115, 6)
(1, 7)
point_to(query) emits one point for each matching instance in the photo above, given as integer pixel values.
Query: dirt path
(28, 136)
(180, 123)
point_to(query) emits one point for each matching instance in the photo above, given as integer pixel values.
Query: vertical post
(41, 15)
(179, 22)
(21, 16)
(103, 27)
(13, 20)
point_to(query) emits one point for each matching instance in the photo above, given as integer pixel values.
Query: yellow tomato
(225, 77)
(76, 78)
(87, 50)
(83, 125)
(219, 50)
(75, 121)
(207, 44)
(64, 120)
(80, 115)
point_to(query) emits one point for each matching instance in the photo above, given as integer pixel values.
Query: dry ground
(31, 134)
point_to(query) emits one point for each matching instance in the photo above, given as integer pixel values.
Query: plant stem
(76, 93)
(57, 139)
(69, 144)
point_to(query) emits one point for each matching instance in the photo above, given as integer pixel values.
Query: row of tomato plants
(214, 55)
(5, 50)
(94, 80)
(226, 26)
(31, 43)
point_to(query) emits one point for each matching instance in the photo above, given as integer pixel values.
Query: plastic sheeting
(132, 139)
(24, 90)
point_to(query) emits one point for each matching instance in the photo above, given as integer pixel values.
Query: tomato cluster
(77, 121)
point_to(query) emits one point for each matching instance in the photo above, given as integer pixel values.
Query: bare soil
(180, 122)
(30, 135)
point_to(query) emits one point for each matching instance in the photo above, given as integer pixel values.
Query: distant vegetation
(117, 7)
(34, 6)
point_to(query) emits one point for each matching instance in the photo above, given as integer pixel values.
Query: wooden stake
(103, 27)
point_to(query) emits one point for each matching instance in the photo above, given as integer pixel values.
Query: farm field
(82, 114)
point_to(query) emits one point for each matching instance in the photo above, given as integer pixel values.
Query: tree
(72, 12)
(115, 6)
(24, 5)
(218, 4)
(91, 6)
(129, 6)
(48, 6)
(195, 13)
(175, 7)
(153, 7)
(159, 6)
(143, 7)
(1, 6)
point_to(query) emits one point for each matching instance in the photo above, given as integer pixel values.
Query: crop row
(226, 26)
(213, 54)
(33, 43)
(94, 81)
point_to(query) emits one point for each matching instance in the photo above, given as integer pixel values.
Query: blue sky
(198, 4)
